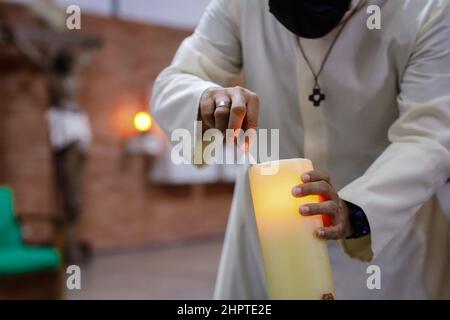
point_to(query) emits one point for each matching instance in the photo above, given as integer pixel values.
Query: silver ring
(223, 104)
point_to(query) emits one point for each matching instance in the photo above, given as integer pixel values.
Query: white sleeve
(417, 162)
(211, 57)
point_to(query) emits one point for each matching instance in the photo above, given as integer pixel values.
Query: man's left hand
(318, 183)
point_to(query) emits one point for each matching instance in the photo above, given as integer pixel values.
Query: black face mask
(309, 18)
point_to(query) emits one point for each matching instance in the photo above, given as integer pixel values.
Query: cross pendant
(317, 97)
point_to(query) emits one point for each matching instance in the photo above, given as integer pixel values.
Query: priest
(369, 106)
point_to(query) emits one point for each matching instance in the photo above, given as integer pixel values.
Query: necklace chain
(316, 89)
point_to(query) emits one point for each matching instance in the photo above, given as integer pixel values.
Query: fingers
(252, 119)
(315, 176)
(238, 109)
(338, 225)
(222, 112)
(327, 207)
(322, 188)
(336, 232)
(229, 108)
(207, 108)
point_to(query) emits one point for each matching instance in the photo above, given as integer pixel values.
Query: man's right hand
(229, 108)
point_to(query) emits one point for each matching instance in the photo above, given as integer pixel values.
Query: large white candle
(296, 262)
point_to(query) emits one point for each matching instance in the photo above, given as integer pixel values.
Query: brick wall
(121, 207)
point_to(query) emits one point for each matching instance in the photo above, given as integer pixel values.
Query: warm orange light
(142, 121)
(296, 262)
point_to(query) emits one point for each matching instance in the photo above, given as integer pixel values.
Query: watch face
(359, 222)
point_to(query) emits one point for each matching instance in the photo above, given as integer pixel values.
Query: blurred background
(85, 173)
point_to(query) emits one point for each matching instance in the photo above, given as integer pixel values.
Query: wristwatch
(358, 221)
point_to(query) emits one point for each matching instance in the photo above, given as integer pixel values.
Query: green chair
(17, 258)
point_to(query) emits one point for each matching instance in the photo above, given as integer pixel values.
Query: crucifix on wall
(60, 55)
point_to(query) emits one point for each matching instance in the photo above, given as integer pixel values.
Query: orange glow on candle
(296, 262)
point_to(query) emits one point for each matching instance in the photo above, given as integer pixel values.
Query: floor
(181, 271)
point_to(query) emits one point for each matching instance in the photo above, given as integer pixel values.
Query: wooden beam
(50, 13)
(65, 38)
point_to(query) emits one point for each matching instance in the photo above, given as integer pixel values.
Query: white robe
(383, 133)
